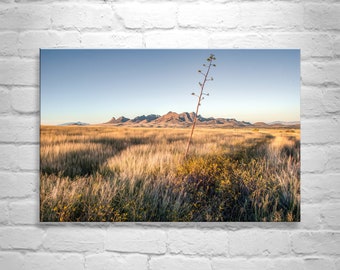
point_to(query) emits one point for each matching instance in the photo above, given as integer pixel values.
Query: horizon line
(130, 118)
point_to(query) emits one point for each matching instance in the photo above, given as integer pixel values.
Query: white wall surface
(312, 26)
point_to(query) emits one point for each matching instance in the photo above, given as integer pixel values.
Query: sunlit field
(106, 173)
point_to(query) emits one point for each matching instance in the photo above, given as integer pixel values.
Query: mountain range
(185, 119)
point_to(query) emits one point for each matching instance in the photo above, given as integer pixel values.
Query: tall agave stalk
(201, 95)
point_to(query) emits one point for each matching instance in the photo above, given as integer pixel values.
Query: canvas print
(169, 135)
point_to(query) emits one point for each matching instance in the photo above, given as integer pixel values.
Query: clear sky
(92, 86)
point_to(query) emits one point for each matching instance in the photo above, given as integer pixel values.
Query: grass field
(106, 173)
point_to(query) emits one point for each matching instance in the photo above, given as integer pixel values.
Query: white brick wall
(26, 26)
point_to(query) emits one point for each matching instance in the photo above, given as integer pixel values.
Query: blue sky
(94, 85)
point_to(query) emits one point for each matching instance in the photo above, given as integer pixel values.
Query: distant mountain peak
(121, 119)
(145, 118)
(74, 124)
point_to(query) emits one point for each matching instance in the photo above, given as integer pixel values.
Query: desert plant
(200, 96)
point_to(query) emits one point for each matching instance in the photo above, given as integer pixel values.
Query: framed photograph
(169, 135)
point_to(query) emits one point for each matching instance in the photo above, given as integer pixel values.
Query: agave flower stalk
(200, 96)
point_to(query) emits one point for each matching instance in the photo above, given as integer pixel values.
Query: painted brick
(89, 16)
(320, 243)
(316, 188)
(147, 15)
(32, 41)
(330, 216)
(27, 158)
(176, 39)
(271, 15)
(5, 101)
(3, 212)
(178, 263)
(28, 238)
(18, 185)
(25, 99)
(11, 260)
(9, 43)
(24, 212)
(112, 40)
(322, 16)
(191, 242)
(310, 216)
(23, 129)
(321, 130)
(313, 158)
(7, 156)
(303, 264)
(53, 261)
(118, 261)
(336, 47)
(337, 264)
(221, 263)
(77, 239)
(331, 100)
(207, 15)
(319, 263)
(269, 243)
(17, 71)
(312, 101)
(320, 73)
(136, 240)
(239, 40)
(265, 264)
(333, 161)
(20, 17)
(310, 44)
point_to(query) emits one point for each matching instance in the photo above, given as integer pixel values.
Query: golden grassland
(107, 173)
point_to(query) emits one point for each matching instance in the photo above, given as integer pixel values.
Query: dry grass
(101, 173)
